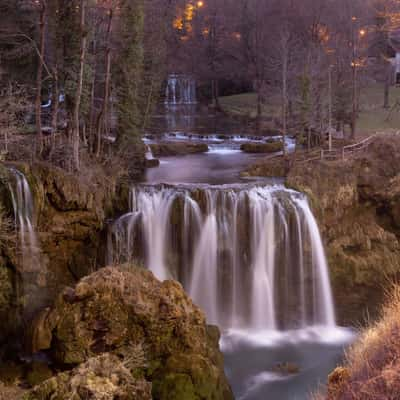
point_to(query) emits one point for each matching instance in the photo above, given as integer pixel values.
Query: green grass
(373, 117)
(245, 105)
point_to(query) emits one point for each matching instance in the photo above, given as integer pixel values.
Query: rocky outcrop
(117, 311)
(165, 149)
(70, 212)
(104, 377)
(275, 167)
(357, 204)
(272, 147)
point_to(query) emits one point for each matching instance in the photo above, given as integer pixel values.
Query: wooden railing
(342, 153)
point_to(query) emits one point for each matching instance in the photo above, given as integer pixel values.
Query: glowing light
(362, 32)
(200, 4)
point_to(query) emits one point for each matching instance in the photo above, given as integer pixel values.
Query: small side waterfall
(22, 201)
(181, 89)
(149, 153)
(249, 256)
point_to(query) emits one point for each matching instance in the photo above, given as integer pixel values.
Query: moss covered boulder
(271, 147)
(116, 310)
(104, 377)
(165, 149)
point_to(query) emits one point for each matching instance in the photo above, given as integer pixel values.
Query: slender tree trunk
(55, 104)
(92, 113)
(388, 79)
(106, 99)
(284, 98)
(78, 97)
(330, 108)
(148, 105)
(39, 77)
(354, 87)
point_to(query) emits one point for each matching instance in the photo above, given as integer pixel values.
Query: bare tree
(78, 97)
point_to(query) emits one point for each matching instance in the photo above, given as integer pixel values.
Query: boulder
(116, 310)
(165, 149)
(152, 163)
(104, 377)
(272, 147)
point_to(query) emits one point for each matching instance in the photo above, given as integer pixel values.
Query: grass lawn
(373, 117)
(245, 105)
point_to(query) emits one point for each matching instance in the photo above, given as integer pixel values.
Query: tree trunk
(39, 77)
(54, 112)
(284, 98)
(78, 97)
(354, 104)
(106, 99)
(388, 79)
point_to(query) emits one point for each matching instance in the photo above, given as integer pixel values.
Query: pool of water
(218, 166)
(287, 365)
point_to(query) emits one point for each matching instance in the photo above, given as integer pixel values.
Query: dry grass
(372, 370)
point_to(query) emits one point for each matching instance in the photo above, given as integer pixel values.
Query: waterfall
(22, 201)
(249, 256)
(180, 89)
(149, 153)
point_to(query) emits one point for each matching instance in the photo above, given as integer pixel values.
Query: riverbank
(356, 203)
(371, 370)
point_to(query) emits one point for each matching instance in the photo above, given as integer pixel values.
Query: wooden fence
(342, 153)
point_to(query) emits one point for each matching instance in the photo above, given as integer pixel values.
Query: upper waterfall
(230, 248)
(180, 89)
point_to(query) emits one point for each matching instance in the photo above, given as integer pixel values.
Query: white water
(149, 153)
(229, 248)
(24, 221)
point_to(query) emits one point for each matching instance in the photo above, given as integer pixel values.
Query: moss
(39, 372)
(174, 387)
(272, 147)
(6, 289)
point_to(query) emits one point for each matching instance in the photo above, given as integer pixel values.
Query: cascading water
(22, 201)
(181, 89)
(149, 153)
(229, 246)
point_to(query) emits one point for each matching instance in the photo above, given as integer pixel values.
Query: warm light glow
(362, 32)
(200, 4)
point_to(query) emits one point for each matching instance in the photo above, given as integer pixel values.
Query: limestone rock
(272, 147)
(357, 207)
(117, 309)
(165, 149)
(100, 378)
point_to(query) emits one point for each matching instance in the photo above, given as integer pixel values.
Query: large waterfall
(181, 89)
(22, 201)
(249, 256)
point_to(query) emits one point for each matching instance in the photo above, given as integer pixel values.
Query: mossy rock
(118, 309)
(272, 147)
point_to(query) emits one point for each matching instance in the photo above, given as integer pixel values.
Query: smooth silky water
(249, 253)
